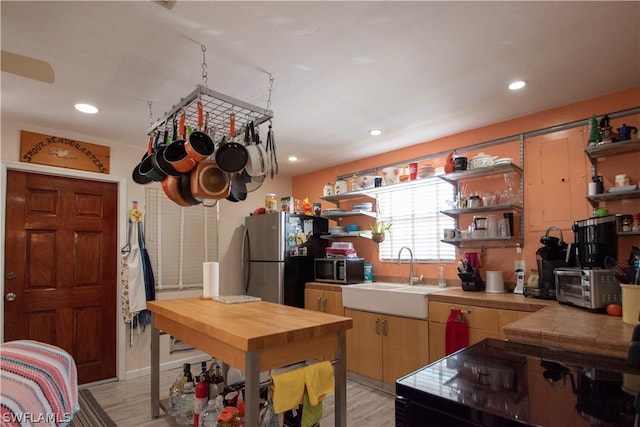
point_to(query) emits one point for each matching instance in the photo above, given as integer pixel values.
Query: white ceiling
(418, 70)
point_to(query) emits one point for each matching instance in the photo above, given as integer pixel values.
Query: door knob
(10, 296)
(11, 276)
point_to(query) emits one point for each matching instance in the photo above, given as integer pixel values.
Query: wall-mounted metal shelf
(612, 149)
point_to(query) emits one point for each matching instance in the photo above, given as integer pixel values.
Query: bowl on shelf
(351, 227)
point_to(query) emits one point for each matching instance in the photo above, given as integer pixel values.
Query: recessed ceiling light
(293, 159)
(86, 108)
(375, 132)
(518, 84)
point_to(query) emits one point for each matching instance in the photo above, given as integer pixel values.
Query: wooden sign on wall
(63, 152)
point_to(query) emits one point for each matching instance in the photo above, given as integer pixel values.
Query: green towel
(310, 414)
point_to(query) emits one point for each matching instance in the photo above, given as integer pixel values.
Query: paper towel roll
(210, 273)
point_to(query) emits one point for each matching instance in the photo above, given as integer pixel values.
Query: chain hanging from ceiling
(217, 105)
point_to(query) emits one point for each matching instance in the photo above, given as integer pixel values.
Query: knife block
(471, 280)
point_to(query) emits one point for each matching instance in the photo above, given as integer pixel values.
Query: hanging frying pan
(136, 175)
(147, 169)
(199, 145)
(238, 188)
(158, 160)
(231, 156)
(176, 153)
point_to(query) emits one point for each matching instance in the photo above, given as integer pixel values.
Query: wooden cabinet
(385, 347)
(324, 300)
(483, 323)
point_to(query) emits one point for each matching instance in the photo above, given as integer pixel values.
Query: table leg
(155, 372)
(252, 388)
(340, 385)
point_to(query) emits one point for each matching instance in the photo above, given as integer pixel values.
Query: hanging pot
(199, 145)
(231, 156)
(185, 191)
(176, 153)
(171, 187)
(208, 181)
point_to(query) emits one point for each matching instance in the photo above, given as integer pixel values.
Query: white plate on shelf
(503, 161)
(624, 188)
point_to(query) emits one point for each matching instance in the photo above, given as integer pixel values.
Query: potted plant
(378, 229)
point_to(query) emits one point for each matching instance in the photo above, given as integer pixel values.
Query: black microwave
(339, 270)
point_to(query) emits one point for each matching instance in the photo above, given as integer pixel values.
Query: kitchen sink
(389, 298)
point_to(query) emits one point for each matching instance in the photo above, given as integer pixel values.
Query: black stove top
(501, 383)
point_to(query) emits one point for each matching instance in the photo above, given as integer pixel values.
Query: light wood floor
(128, 403)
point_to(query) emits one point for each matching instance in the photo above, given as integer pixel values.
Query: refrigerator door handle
(245, 257)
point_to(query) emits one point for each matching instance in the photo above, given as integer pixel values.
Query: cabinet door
(510, 316)
(312, 299)
(364, 344)
(436, 341)
(333, 303)
(556, 180)
(405, 346)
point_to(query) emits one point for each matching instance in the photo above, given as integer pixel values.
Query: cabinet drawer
(481, 318)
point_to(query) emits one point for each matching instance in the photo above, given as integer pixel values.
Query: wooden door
(61, 264)
(364, 344)
(405, 346)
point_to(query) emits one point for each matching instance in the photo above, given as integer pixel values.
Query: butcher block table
(253, 337)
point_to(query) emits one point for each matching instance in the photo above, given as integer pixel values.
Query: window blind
(179, 240)
(417, 221)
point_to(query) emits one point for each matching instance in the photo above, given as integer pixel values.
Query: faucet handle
(418, 279)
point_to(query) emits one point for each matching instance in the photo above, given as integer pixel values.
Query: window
(417, 221)
(179, 240)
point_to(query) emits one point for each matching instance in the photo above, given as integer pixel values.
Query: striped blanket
(38, 385)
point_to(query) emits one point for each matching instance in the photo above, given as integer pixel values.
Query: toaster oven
(592, 289)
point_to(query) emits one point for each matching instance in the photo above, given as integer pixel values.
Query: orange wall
(311, 185)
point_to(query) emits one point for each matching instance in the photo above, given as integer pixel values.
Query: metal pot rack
(219, 106)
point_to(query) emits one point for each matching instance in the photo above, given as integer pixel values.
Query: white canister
(328, 190)
(341, 187)
(495, 282)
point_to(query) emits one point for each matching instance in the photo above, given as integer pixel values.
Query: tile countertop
(550, 324)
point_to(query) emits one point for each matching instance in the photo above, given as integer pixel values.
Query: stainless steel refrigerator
(278, 252)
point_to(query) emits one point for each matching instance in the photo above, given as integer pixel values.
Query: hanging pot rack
(218, 106)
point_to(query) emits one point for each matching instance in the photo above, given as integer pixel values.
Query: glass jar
(635, 227)
(627, 223)
(270, 204)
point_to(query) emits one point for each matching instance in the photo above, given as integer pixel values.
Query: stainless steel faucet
(411, 278)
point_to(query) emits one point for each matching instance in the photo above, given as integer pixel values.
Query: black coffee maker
(549, 257)
(596, 242)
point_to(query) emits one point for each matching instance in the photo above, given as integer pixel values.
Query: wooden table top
(249, 326)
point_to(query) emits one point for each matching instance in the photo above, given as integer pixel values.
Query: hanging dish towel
(457, 332)
(137, 294)
(287, 390)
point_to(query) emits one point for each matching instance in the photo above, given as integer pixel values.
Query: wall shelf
(612, 149)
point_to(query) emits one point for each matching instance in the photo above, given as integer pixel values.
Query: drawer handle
(462, 311)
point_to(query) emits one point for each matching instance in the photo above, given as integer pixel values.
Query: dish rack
(218, 106)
